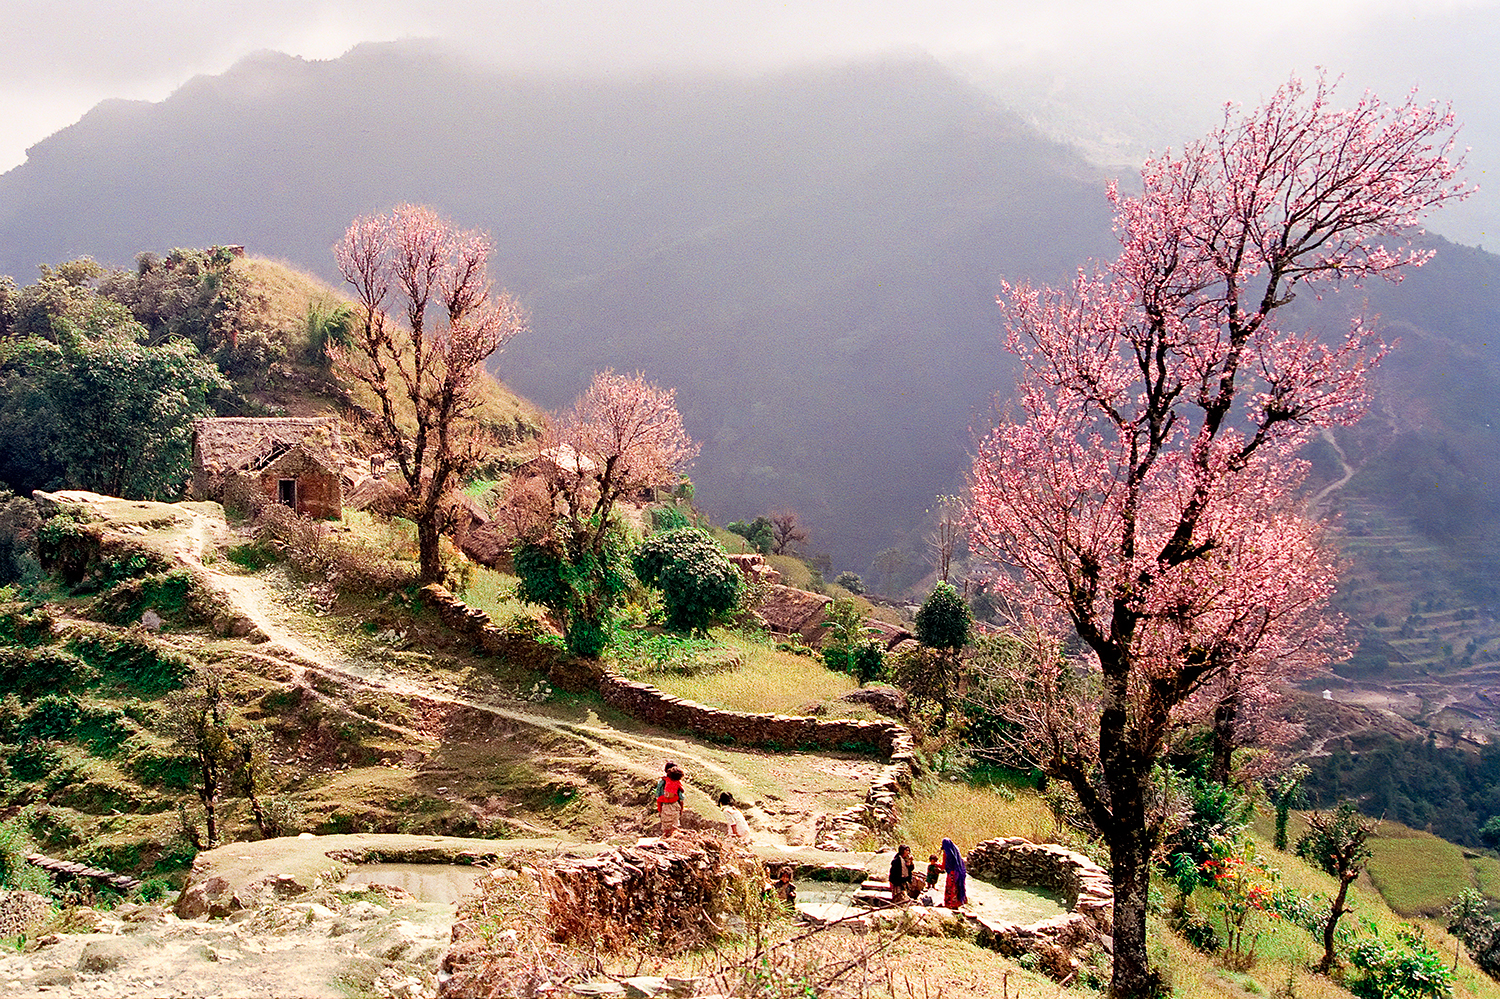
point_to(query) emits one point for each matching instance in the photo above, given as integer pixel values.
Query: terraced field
(1424, 652)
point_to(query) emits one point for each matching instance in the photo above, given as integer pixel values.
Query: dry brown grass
(767, 681)
(970, 815)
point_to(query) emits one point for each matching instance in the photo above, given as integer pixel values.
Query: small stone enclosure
(289, 460)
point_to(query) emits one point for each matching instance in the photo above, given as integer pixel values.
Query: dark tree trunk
(209, 795)
(1225, 716)
(427, 547)
(1130, 870)
(1334, 912)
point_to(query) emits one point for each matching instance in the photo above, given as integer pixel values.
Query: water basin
(445, 883)
(1022, 905)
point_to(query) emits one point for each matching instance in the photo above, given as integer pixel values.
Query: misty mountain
(811, 258)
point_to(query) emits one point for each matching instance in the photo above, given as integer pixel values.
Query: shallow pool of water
(825, 891)
(1011, 904)
(425, 882)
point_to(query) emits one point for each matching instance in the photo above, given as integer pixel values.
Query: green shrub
(30, 672)
(698, 583)
(15, 872)
(253, 555)
(667, 518)
(26, 626)
(133, 661)
(758, 533)
(944, 620)
(168, 593)
(1410, 970)
(579, 584)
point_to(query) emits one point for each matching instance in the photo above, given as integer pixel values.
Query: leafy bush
(758, 533)
(133, 661)
(698, 583)
(30, 672)
(667, 518)
(1217, 813)
(15, 873)
(637, 652)
(577, 584)
(851, 582)
(944, 620)
(24, 625)
(1410, 970)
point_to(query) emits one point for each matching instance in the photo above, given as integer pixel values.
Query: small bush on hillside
(667, 518)
(32, 672)
(851, 582)
(698, 583)
(1409, 969)
(759, 533)
(25, 625)
(15, 873)
(134, 661)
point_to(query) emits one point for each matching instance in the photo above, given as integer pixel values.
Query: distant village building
(290, 460)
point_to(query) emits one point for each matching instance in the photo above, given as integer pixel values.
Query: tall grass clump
(969, 815)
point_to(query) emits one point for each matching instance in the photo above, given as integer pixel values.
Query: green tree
(849, 647)
(579, 575)
(1283, 790)
(698, 583)
(851, 582)
(122, 413)
(622, 437)
(759, 533)
(1338, 843)
(944, 620)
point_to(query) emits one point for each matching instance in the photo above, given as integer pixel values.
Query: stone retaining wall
(1085, 886)
(886, 739)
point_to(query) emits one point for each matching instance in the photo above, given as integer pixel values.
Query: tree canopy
(1144, 497)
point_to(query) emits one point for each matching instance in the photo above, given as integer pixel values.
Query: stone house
(290, 460)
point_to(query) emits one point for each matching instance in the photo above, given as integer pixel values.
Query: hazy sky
(1166, 63)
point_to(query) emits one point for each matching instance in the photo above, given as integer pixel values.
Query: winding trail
(258, 601)
(1315, 505)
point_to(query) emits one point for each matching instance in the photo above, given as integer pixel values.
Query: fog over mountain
(809, 255)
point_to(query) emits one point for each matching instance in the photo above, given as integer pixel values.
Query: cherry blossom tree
(427, 320)
(622, 437)
(1141, 501)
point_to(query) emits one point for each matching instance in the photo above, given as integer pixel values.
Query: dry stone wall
(886, 739)
(1085, 887)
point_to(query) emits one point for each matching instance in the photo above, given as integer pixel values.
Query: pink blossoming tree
(1143, 499)
(623, 436)
(426, 321)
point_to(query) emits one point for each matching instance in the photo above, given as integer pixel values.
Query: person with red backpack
(669, 799)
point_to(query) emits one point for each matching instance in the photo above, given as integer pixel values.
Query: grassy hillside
(285, 300)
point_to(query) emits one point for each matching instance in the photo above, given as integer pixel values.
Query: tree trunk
(1334, 912)
(1223, 745)
(209, 795)
(1130, 870)
(427, 546)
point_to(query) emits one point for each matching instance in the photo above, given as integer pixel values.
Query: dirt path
(781, 816)
(1315, 505)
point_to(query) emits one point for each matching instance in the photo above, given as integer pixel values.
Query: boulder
(212, 898)
(104, 955)
(790, 611)
(883, 700)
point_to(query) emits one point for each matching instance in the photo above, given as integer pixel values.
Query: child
(783, 887)
(933, 869)
(669, 800)
(734, 818)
